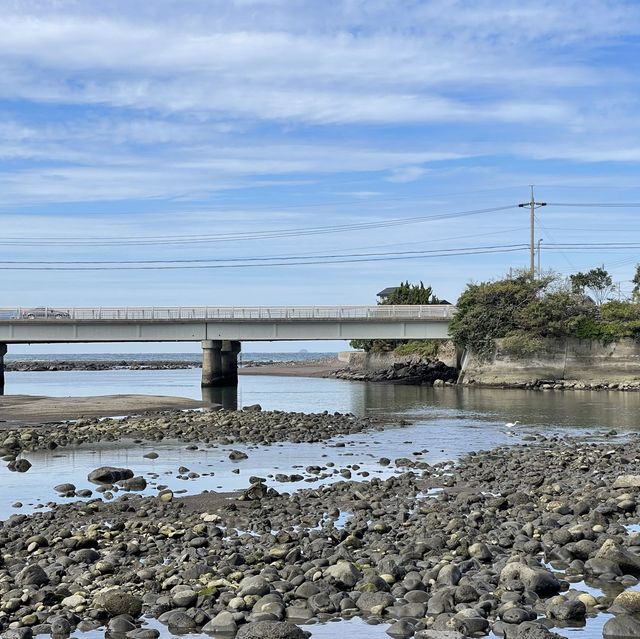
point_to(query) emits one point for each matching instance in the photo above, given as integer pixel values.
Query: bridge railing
(190, 313)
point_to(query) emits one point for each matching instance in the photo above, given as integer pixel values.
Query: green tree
(405, 293)
(597, 282)
(491, 310)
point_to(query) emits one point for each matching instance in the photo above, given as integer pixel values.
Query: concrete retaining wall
(571, 359)
(382, 361)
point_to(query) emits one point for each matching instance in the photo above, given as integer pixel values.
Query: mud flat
(29, 409)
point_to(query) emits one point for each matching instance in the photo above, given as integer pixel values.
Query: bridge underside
(220, 339)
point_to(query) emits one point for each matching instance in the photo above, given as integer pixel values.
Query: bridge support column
(230, 350)
(3, 352)
(211, 363)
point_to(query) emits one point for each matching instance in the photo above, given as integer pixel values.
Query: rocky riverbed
(464, 550)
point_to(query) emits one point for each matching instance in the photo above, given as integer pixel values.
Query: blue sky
(121, 122)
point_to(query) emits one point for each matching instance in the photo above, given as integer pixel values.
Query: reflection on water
(446, 422)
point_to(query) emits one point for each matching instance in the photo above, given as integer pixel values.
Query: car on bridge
(44, 312)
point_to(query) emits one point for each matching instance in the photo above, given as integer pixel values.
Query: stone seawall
(570, 360)
(382, 361)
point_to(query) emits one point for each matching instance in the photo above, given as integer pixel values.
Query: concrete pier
(219, 363)
(230, 350)
(211, 363)
(3, 352)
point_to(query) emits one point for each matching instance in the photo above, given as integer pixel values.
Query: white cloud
(407, 174)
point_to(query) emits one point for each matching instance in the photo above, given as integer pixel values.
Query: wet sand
(30, 409)
(316, 368)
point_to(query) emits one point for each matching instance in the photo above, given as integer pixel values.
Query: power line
(241, 236)
(301, 261)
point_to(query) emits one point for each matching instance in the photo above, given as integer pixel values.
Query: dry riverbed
(493, 544)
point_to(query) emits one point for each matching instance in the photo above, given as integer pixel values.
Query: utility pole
(539, 269)
(532, 244)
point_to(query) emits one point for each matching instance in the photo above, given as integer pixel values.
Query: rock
(121, 625)
(253, 586)
(118, 602)
(236, 455)
(184, 598)
(17, 633)
(135, 483)
(19, 465)
(344, 574)
(223, 622)
(567, 610)
(401, 629)
(438, 634)
(271, 630)
(611, 551)
(60, 626)
(64, 488)
(627, 481)
(626, 602)
(32, 575)
(540, 581)
(143, 633)
(109, 475)
(378, 601)
(622, 627)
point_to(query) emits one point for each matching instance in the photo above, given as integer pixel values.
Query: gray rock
(611, 551)
(118, 602)
(401, 629)
(628, 601)
(135, 483)
(438, 634)
(627, 481)
(223, 622)
(109, 474)
(369, 601)
(64, 488)
(344, 574)
(253, 586)
(17, 633)
(271, 630)
(622, 627)
(32, 576)
(121, 624)
(60, 626)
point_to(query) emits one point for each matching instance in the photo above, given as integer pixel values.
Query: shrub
(521, 344)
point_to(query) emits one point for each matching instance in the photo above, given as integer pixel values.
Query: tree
(597, 282)
(405, 293)
(411, 294)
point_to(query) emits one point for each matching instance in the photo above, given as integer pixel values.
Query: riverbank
(490, 544)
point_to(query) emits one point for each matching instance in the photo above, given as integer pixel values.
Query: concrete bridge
(219, 329)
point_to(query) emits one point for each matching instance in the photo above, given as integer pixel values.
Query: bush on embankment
(524, 310)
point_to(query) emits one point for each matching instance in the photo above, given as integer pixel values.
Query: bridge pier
(230, 350)
(3, 352)
(219, 363)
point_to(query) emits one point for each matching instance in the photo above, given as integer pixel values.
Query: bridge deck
(150, 324)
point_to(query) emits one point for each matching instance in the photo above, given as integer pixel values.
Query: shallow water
(447, 422)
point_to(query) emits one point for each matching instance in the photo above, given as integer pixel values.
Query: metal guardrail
(443, 312)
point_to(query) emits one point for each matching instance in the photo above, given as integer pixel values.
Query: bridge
(219, 329)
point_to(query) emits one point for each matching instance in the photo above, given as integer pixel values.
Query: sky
(216, 152)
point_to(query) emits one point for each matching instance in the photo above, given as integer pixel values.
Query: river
(445, 423)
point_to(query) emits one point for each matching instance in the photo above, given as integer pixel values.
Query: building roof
(385, 292)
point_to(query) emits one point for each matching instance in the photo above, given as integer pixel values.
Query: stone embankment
(468, 559)
(558, 364)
